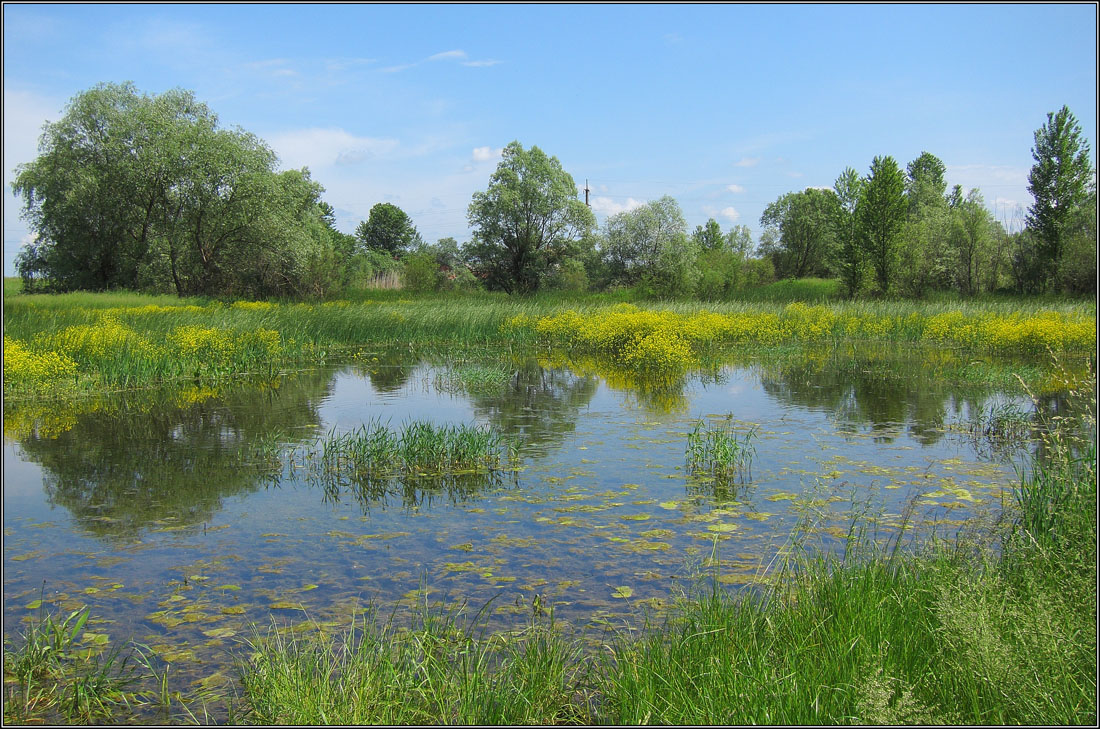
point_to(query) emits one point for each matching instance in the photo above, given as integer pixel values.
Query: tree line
(147, 192)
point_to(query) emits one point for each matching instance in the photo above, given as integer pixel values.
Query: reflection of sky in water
(604, 502)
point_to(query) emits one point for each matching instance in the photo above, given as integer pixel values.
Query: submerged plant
(721, 451)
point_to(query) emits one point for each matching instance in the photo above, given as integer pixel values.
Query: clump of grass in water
(50, 677)
(474, 378)
(421, 449)
(721, 451)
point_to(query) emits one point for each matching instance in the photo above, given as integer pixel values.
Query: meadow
(996, 625)
(94, 342)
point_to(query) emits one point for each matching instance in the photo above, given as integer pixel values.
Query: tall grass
(720, 451)
(421, 448)
(59, 673)
(438, 671)
(84, 341)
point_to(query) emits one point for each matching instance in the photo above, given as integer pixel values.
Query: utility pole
(586, 192)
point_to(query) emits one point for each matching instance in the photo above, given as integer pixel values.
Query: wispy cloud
(456, 56)
(735, 188)
(747, 162)
(794, 174)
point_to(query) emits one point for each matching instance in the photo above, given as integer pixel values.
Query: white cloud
(735, 188)
(448, 56)
(730, 213)
(481, 64)
(320, 148)
(747, 162)
(484, 154)
(608, 206)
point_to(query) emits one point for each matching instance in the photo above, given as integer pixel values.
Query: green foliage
(709, 237)
(648, 247)
(141, 191)
(924, 183)
(803, 222)
(421, 273)
(526, 222)
(851, 258)
(388, 229)
(881, 215)
(1062, 182)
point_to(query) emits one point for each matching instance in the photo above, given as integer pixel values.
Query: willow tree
(145, 191)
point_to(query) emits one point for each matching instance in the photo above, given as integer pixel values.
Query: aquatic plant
(60, 671)
(421, 448)
(720, 451)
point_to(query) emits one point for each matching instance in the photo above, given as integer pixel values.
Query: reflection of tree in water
(539, 406)
(879, 389)
(171, 457)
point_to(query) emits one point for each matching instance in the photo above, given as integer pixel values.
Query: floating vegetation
(721, 451)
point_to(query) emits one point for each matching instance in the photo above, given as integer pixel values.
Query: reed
(421, 448)
(721, 451)
(59, 673)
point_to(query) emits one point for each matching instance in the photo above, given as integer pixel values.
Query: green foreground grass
(956, 633)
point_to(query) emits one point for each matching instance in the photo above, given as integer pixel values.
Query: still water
(181, 517)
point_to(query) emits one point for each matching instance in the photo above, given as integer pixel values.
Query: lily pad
(622, 592)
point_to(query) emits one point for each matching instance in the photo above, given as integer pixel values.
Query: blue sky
(723, 107)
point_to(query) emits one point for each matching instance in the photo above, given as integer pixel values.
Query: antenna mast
(586, 192)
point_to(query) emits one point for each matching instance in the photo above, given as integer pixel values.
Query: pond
(182, 517)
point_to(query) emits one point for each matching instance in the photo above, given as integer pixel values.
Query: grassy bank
(956, 633)
(92, 342)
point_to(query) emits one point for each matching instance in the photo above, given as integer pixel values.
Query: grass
(60, 672)
(720, 451)
(421, 448)
(82, 342)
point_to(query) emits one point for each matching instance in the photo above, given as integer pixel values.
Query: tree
(851, 261)
(526, 222)
(141, 191)
(971, 237)
(649, 246)
(739, 240)
(389, 229)
(99, 189)
(803, 222)
(925, 253)
(924, 183)
(709, 237)
(881, 213)
(1061, 181)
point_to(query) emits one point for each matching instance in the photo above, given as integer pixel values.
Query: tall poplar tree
(881, 215)
(1061, 181)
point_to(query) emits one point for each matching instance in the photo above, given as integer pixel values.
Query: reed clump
(420, 448)
(721, 451)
